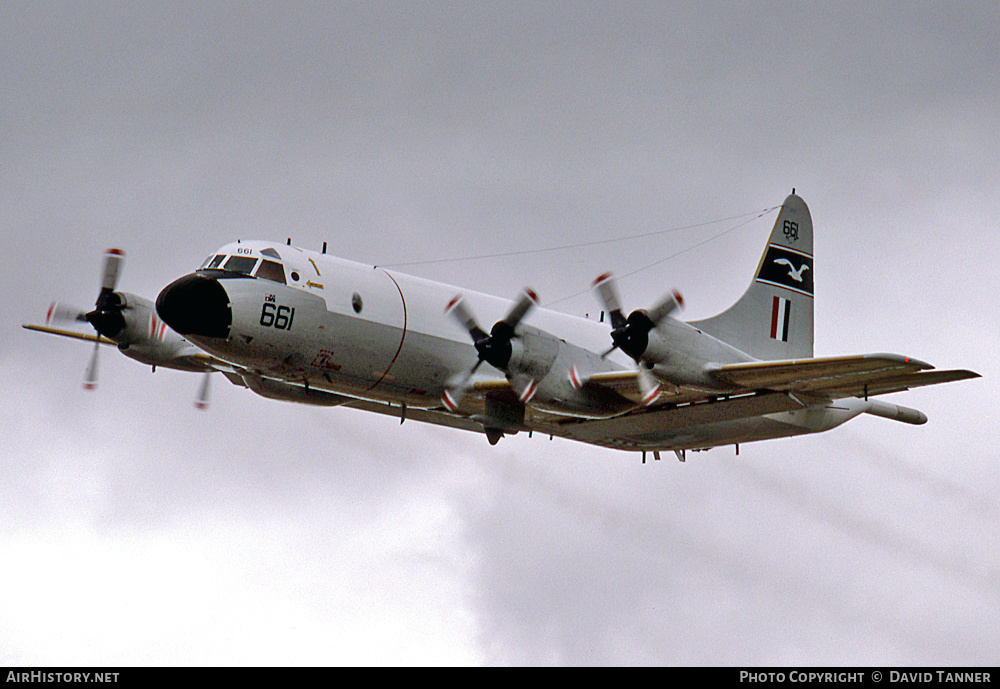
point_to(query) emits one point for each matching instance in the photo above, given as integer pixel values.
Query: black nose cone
(196, 305)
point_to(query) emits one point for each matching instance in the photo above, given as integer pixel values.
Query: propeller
(494, 348)
(63, 313)
(631, 334)
(202, 400)
(106, 317)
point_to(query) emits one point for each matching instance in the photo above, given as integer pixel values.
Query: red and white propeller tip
(113, 259)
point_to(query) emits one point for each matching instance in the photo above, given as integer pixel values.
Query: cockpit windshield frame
(271, 270)
(212, 262)
(240, 264)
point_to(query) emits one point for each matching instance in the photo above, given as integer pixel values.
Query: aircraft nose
(196, 305)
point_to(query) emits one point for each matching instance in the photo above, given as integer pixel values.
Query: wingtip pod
(896, 412)
(900, 359)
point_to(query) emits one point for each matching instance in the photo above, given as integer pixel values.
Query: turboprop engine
(539, 366)
(131, 323)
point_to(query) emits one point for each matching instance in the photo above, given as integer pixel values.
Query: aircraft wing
(191, 359)
(862, 375)
(75, 334)
(835, 377)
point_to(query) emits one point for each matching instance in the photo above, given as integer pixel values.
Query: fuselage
(310, 327)
(366, 331)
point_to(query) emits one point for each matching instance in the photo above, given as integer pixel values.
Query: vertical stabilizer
(774, 317)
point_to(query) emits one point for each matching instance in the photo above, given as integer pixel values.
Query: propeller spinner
(494, 348)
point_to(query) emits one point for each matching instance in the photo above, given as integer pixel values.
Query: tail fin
(774, 317)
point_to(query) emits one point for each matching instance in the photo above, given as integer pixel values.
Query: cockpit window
(212, 261)
(270, 252)
(270, 270)
(240, 264)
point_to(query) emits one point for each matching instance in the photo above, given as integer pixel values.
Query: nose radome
(196, 305)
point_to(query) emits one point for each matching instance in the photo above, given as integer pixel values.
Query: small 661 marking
(274, 316)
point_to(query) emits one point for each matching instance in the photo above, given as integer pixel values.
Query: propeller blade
(451, 399)
(202, 400)
(667, 305)
(648, 386)
(62, 313)
(495, 346)
(107, 316)
(458, 310)
(90, 377)
(521, 308)
(453, 393)
(607, 294)
(113, 259)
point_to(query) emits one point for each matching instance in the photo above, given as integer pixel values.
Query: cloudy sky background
(136, 530)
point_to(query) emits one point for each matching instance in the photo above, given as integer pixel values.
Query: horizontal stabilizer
(834, 377)
(885, 385)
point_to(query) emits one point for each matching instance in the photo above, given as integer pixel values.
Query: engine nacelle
(147, 339)
(547, 361)
(681, 354)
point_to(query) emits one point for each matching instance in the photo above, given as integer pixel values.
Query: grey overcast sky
(137, 530)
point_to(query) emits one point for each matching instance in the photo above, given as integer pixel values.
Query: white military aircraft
(302, 326)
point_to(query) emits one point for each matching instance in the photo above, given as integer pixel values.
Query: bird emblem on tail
(793, 272)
